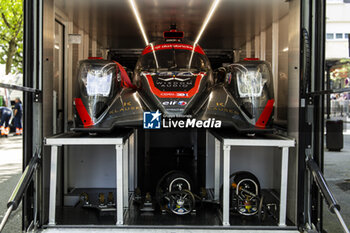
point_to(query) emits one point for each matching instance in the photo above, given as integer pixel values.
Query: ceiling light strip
(138, 18)
(206, 21)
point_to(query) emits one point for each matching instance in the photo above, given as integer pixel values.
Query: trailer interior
(76, 186)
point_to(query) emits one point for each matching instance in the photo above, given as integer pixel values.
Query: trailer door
(314, 190)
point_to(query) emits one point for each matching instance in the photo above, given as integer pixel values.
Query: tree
(11, 35)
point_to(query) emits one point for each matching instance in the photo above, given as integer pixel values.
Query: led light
(155, 57)
(285, 49)
(138, 18)
(206, 21)
(57, 47)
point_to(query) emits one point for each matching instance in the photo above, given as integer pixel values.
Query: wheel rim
(181, 202)
(179, 184)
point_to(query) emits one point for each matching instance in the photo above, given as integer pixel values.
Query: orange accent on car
(83, 114)
(95, 58)
(251, 59)
(125, 82)
(265, 115)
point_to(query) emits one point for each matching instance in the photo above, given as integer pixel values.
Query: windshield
(173, 59)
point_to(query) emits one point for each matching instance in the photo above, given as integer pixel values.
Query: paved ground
(10, 172)
(337, 173)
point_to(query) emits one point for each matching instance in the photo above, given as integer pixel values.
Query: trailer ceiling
(113, 24)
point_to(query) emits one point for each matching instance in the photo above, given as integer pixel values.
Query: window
(339, 35)
(330, 36)
(346, 35)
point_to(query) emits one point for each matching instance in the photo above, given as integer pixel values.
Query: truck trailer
(173, 116)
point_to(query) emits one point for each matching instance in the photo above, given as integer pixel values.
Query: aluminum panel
(164, 230)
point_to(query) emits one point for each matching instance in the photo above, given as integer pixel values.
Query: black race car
(174, 78)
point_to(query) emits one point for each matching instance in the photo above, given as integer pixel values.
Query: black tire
(163, 184)
(179, 175)
(164, 189)
(237, 176)
(169, 176)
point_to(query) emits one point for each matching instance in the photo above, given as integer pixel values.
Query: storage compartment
(170, 181)
(193, 196)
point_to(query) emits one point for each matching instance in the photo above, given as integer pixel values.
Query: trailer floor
(207, 214)
(163, 230)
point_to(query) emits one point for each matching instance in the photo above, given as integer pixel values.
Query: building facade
(338, 29)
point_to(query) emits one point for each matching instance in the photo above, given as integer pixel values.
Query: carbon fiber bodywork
(239, 95)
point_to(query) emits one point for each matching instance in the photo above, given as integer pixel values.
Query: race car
(173, 77)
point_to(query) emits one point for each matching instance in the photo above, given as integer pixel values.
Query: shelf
(225, 140)
(120, 139)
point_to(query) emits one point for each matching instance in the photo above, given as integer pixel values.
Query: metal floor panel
(147, 230)
(208, 215)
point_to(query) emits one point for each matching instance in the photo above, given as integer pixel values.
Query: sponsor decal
(149, 49)
(125, 109)
(221, 107)
(174, 79)
(227, 110)
(170, 94)
(153, 120)
(127, 106)
(174, 103)
(173, 94)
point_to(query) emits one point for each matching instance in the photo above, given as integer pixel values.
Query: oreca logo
(174, 103)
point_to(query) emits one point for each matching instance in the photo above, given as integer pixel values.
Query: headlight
(97, 77)
(250, 84)
(98, 83)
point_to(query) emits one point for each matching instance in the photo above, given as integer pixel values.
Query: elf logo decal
(174, 103)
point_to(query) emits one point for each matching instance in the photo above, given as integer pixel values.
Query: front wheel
(181, 202)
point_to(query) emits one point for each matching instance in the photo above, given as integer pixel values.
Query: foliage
(11, 35)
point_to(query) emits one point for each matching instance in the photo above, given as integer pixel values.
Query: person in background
(18, 116)
(5, 116)
(341, 101)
